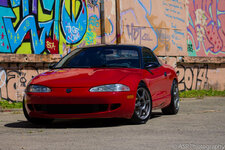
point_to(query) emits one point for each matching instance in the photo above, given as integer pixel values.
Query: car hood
(82, 77)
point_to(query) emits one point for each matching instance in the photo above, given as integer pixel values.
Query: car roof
(112, 45)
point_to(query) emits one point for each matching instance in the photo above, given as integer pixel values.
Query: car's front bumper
(80, 103)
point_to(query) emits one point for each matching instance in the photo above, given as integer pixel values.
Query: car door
(156, 77)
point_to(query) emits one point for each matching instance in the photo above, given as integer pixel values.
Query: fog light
(130, 96)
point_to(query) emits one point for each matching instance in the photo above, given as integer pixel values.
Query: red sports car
(106, 81)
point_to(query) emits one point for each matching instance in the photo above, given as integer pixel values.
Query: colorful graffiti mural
(206, 27)
(43, 26)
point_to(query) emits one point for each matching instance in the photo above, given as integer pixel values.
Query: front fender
(132, 81)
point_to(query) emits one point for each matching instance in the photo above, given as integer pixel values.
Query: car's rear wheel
(143, 106)
(35, 120)
(173, 108)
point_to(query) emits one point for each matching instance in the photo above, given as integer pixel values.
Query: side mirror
(151, 65)
(51, 65)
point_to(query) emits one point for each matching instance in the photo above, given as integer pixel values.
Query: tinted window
(149, 57)
(101, 57)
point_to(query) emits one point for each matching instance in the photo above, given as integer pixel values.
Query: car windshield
(101, 57)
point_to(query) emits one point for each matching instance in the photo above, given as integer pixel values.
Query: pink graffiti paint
(2, 36)
(206, 27)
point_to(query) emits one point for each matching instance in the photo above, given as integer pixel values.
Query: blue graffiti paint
(6, 13)
(25, 8)
(48, 4)
(173, 12)
(15, 3)
(56, 20)
(148, 13)
(28, 24)
(112, 30)
(74, 29)
(28, 29)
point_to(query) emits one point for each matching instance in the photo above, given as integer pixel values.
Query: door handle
(165, 74)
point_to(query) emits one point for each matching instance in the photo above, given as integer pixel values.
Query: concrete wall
(189, 35)
(16, 77)
(201, 76)
(159, 25)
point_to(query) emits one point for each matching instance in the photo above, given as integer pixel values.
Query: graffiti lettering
(33, 24)
(14, 81)
(2, 77)
(172, 10)
(93, 23)
(74, 26)
(192, 77)
(51, 45)
(136, 33)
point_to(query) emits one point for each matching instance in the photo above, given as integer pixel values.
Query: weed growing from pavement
(201, 93)
(4, 104)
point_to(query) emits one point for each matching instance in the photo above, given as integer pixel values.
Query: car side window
(149, 58)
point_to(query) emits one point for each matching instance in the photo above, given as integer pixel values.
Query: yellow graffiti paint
(25, 48)
(17, 13)
(67, 6)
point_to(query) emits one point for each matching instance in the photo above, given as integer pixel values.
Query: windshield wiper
(118, 66)
(99, 66)
(110, 66)
(72, 67)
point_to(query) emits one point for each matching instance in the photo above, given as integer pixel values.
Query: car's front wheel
(143, 106)
(35, 120)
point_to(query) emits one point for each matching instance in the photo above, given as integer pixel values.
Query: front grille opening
(30, 107)
(114, 106)
(71, 108)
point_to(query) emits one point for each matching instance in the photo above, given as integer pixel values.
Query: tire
(174, 106)
(143, 106)
(39, 121)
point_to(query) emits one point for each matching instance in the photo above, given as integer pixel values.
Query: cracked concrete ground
(200, 125)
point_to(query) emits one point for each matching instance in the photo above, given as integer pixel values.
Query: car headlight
(38, 89)
(110, 88)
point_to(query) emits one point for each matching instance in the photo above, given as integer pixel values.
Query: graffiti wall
(110, 21)
(196, 76)
(159, 25)
(173, 29)
(200, 76)
(15, 77)
(47, 26)
(206, 28)
(192, 77)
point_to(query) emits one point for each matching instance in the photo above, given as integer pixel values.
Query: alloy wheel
(143, 103)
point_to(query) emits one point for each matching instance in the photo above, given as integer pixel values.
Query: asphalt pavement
(199, 125)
